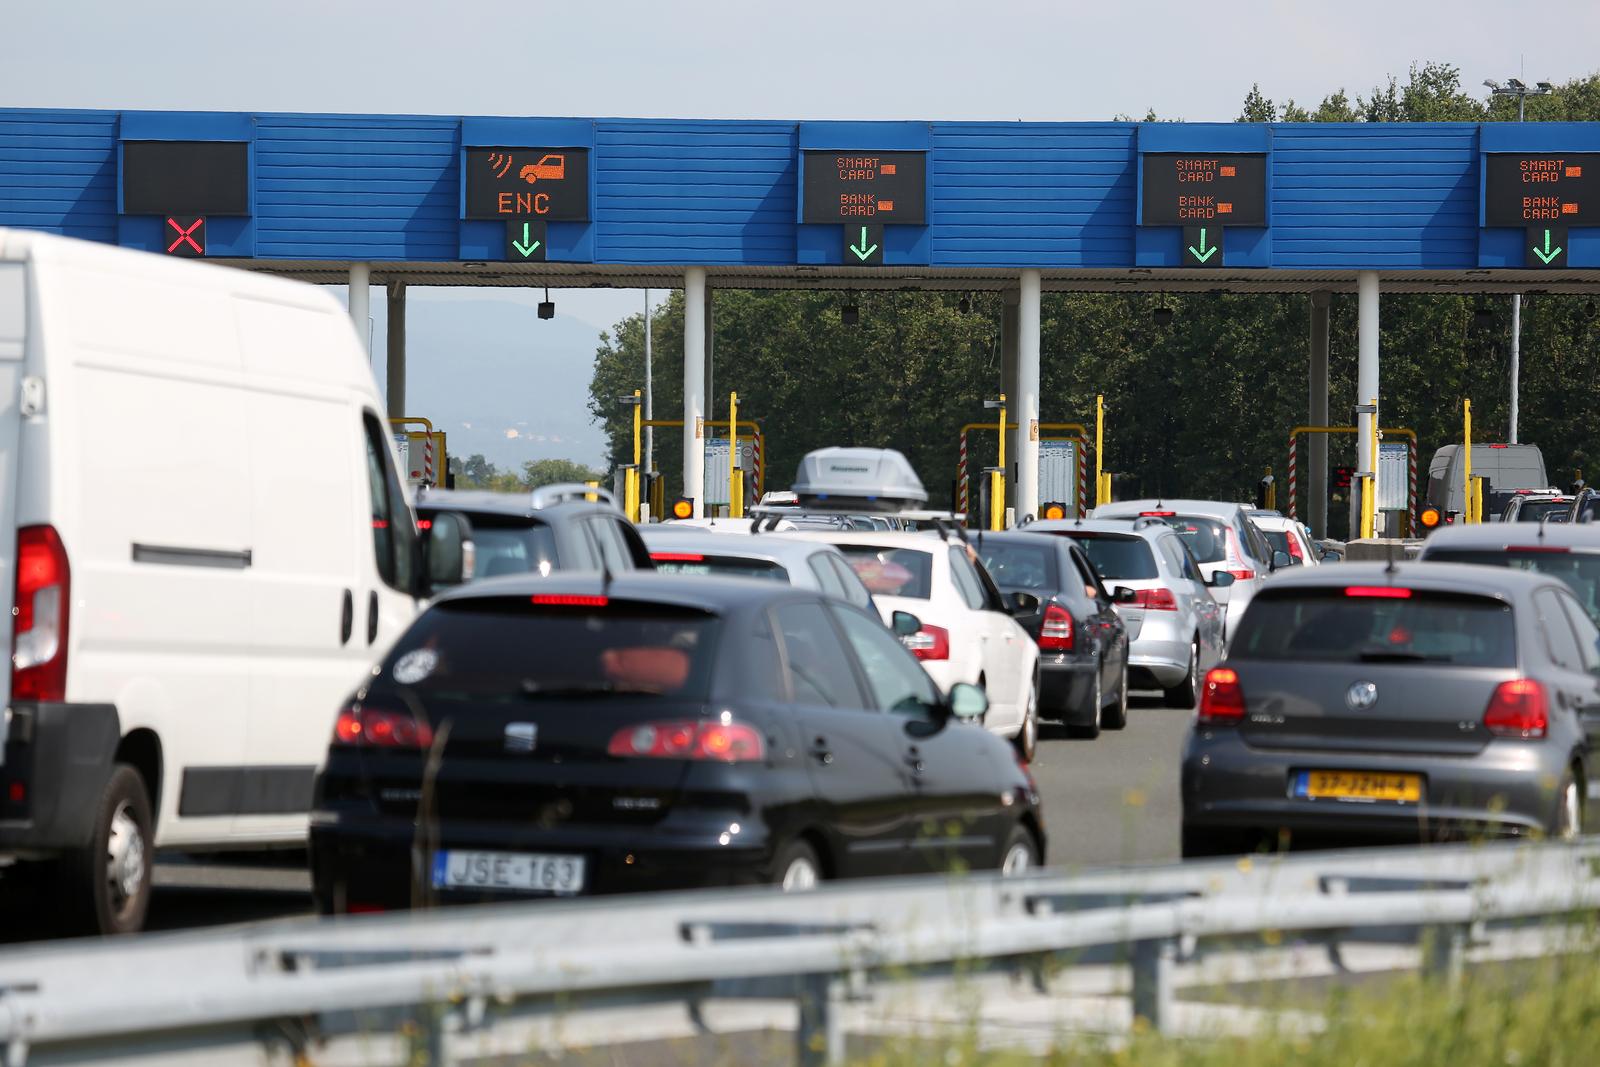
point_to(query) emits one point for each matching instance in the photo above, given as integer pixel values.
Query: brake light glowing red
(377, 728)
(569, 600)
(1056, 633)
(1518, 710)
(1157, 514)
(424, 525)
(1381, 592)
(1222, 698)
(40, 614)
(677, 557)
(1242, 575)
(1158, 599)
(724, 741)
(1499, 446)
(930, 642)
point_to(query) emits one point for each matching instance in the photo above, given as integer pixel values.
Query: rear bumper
(1509, 788)
(1161, 651)
(58, 759)
(1066, 691)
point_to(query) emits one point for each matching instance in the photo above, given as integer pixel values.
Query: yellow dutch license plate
(1358, 785)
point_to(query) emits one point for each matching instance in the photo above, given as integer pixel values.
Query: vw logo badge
(1362, 696)
(522, 736)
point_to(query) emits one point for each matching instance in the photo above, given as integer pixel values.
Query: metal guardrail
(443, 979)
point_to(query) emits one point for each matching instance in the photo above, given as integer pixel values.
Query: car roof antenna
(605, 579)
(1390, 569)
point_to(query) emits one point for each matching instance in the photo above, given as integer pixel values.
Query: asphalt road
(1108, 801)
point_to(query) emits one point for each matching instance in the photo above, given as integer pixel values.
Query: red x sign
(186, 235)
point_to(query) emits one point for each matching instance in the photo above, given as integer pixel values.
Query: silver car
(1174, 623)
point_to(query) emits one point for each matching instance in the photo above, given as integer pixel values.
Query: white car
(1289, 536)
(967, 635)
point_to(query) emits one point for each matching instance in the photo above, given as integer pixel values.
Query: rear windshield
(1280, 541)
(1020, 566)
(527, 546)
(1537, 510)
(1332, 626)
(892, 571)
(1580, 570)
(1207, 539)
(1117, 556)
(509, 649)
(668, 562)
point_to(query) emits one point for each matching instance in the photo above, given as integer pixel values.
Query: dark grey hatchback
(1420, 701)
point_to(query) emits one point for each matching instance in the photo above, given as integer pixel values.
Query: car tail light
(677, 557)
(1221, 699)
(570, 600)
(1381, 592)
(39, 616)
(1158, 599)
(1518, 709)
(1294, 548)
(1056, 633)
(1242, 574)
(1157, 514)
(721, 742)
(377, 728)
(930, 642)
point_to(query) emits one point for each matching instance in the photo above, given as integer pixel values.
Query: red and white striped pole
(963, 491)
(755, 463)
(1294, 460)
(1415, 505)
(1083, 475)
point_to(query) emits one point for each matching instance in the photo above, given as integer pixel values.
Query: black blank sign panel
(185, 177)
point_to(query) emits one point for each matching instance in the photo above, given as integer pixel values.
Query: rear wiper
(1385, 656)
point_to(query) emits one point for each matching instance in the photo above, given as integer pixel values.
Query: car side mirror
(1020, 603)
(904, 624)
(1123, 595)
(1281, 559)
(1222, 579)
(967, 702)
(448, 553)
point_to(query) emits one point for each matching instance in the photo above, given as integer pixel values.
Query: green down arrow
(527, 246)
(1549, 253)
(862, 251)
(1203, 253)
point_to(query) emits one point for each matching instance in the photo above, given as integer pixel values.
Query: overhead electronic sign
(185, 235)
(858, 187)
(526, 240)
(185, 177)
(1204, 188)
(1202, 246)
(863, 245)
(1536, 190)
(528, 183)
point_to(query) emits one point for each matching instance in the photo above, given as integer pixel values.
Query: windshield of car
(523, 548)
(670, 562)
(1020, 566)
(1580, 570)
(1117, 556)
(507, 649)
(1336, 625)
(892, 571)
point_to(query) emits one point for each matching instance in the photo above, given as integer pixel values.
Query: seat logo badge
(522, 736)
(1361, 696)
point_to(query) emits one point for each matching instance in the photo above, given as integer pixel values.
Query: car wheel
(105, 887)
(797, 868)
(1186, 694)
(1021, 853)
(1027, 740)
(1117, 716)
(1569, 809)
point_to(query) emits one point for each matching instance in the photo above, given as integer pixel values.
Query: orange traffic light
(683, 508)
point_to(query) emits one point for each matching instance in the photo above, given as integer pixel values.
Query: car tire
(105, 887)
(1020, 854)
(797, 868)
(1186, 694)
(1199, 842)
(1567, 822)
(1116, 717)
(1091, 729)
(1027, 740)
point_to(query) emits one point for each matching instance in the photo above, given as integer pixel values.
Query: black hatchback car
(1083, 644)
(1426, 700)
(571, 736)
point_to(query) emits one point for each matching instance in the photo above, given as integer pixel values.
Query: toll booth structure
(424, 456)
(1391, 464)
(1073, 434)
(752, 449)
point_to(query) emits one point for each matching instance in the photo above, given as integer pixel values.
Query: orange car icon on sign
(550, 168)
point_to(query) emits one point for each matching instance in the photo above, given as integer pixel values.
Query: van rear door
(13, 330)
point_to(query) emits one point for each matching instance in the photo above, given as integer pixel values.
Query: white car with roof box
(207, 544)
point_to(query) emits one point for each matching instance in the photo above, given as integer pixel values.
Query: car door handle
(821, 751)
(914, 759)
(347, 618)
(372, 616)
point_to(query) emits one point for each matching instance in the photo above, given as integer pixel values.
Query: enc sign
(1212, 188)
(527, 183)
(865, 187)
(1541, 189)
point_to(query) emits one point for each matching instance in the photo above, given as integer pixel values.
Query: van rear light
(39, 616)
(376, 728)
(1221, 699)
(1056, 633)
(1158, 599)
(723, 741)
(1518, 709)
(930, 642)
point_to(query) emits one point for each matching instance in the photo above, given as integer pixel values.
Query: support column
(361, 305)
(1516, 364)
(1317, 446)
(694, 384)
(1026, 404)
(396, 375)
(1366, 378)
(1008, 376)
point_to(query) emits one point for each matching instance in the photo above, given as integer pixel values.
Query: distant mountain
(496, 378)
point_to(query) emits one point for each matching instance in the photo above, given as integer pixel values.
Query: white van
(211, 546)
(1508, 468)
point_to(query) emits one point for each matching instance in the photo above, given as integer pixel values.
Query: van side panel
(13, 342)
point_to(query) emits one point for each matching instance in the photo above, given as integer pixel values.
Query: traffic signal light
(1055, 510)
(683, 508)
(1341, 478)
